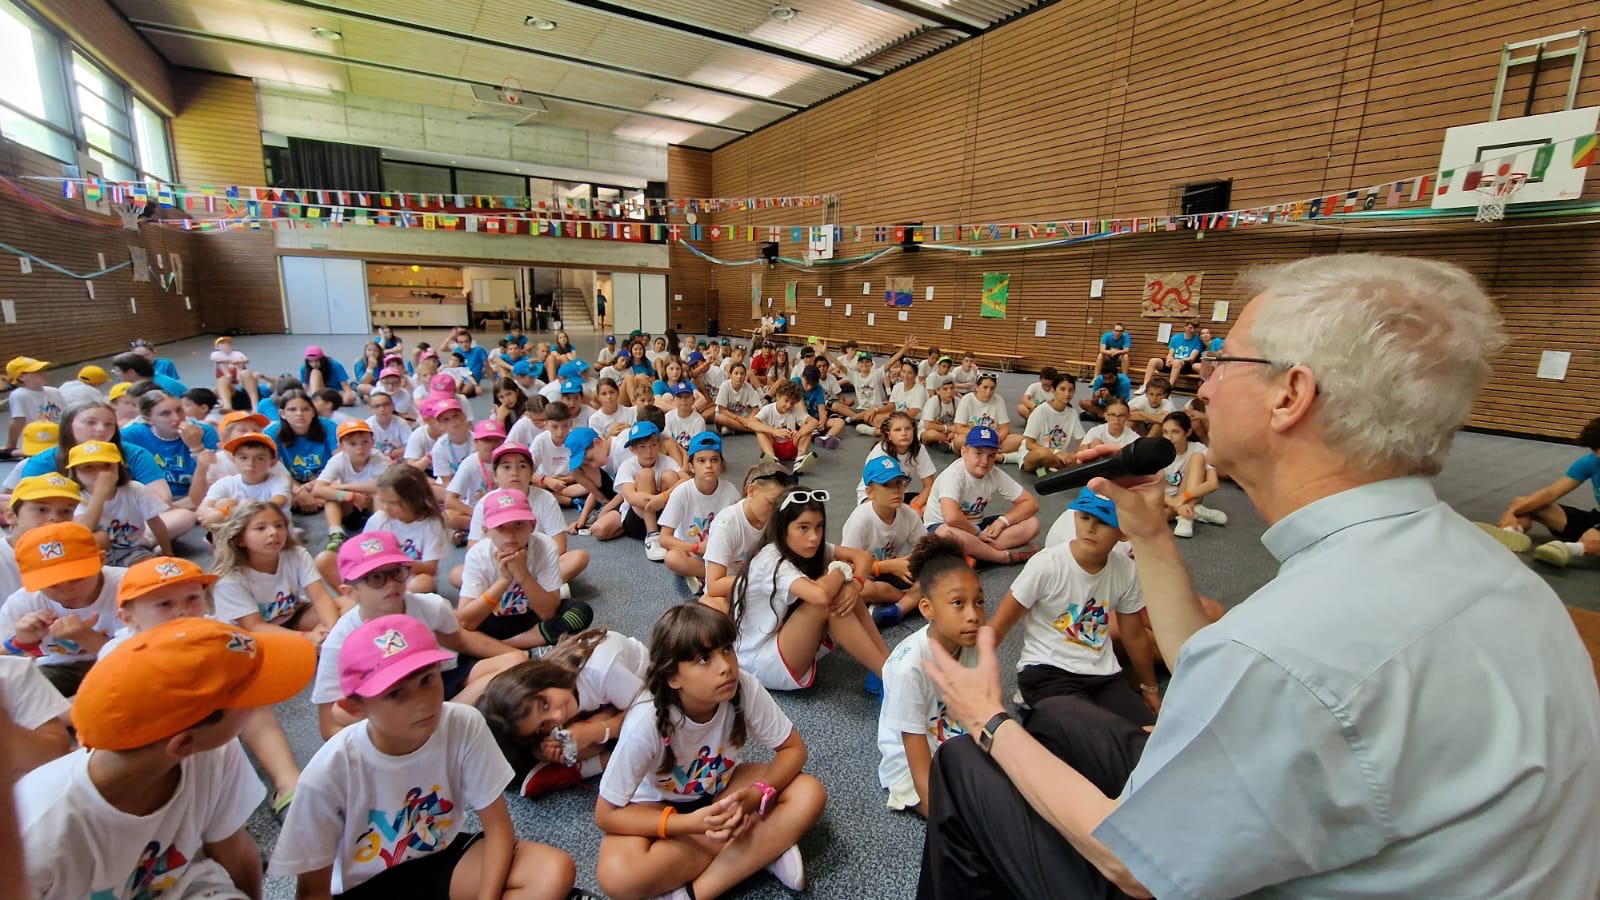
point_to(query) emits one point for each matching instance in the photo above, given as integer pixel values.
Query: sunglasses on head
(381, 578)
(803, 497)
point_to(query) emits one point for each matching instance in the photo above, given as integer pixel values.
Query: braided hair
(683, 634)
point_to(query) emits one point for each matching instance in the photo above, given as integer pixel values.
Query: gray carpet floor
(859, 848)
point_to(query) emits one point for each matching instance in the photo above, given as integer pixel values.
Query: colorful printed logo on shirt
(306, 466)
(418, 828)
(409, 548)
(942, 726)
(390, 642)
(282, 604)
(178, 468)
(706, 775)
(62, 647)
(974, 508)
(1175, 477)
(513, 602)
(1084, 625)
(700, 525)
(155, 874)
(1056, 438)
(983, 419)
(49, 412)
(123, 534)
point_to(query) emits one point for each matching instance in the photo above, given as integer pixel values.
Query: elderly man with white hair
(1404, 711)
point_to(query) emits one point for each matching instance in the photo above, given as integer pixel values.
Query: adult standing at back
(1403, 711)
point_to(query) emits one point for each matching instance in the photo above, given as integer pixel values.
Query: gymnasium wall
(1102, 108)
(689, 175)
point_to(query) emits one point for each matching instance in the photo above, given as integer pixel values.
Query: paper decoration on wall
(790, 293)
(755, 296)
(102, 258)
(899, 291)
(177, 272)
(89, 286)
(1097, 288)
(1553, 364)
(848, 308)
(141, 263)
(1040, 327)
(866, 289)
(8, 309)
(903, 315)
(819, 290)
(948, 321)
(927, 293)
(1174, 295)
(827, 301)
(996, 295)
(872, 319)
(1219, 311)
(1163, 332)
(26, 264)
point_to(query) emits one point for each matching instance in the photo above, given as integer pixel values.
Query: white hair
(1398, 346)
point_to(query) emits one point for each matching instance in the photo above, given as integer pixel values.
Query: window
(493, 184)
(103, 118)
(34, 110)
(150, 134)
(415, 178)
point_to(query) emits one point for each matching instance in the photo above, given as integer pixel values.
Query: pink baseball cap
(363, 553)
(428, 408)
(314, 352)
(503, 506)
(392, 371)
(489, 430)
(443, 405)
(510, 447)
(442, 384)
(382, 652)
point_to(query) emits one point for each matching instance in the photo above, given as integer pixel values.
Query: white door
(347, 296)
(653, 303)
(305, 292)
(624, 299)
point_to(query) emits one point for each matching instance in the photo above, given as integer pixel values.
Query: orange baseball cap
(51, 554)
(253, 437)
(172, 677)
(156, 573)
(353, 426)
(254, 418)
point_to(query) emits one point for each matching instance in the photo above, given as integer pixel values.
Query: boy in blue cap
(958, 504)
(888, 528)
(687, 517)
(1065, 597)
(644, 482)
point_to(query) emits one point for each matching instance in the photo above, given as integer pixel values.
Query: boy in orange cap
(258, 477)
(67, 607)
(349, 481)
(158, 807)
(37, 500)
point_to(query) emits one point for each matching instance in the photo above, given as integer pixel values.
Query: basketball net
(129, 214)
(511, 92)
(1493, 198)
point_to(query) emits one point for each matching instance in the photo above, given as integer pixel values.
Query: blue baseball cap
(983, 437)
(696, 357)
(882, 470)
(579, 440)
(1095, 505)
(641, 431)
(625, 356)
(569, 370)
(574, 386)
(705, 440)
(522, 368)
(682, 389)
(611, 339)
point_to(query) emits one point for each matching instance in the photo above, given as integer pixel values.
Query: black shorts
(1578, 522)
(456, 679)
(982, 523)
(423, 877)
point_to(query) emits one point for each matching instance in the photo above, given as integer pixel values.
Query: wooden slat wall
(217, 132)
(99, 27)
(56, 319)
(1101, 108)
(240, 282)
(689, 175)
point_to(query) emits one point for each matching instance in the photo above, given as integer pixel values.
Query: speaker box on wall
(1203, 197)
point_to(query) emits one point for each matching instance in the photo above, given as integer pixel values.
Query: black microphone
(1145, 456)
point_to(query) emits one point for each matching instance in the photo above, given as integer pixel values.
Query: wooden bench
(1004, 360)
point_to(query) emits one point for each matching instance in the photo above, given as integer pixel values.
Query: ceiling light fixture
(783, 13)
(327, 34)
(660, 99)
(540, 24)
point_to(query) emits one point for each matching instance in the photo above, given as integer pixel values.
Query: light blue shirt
(1587, 468)
(1184, 346)
(1404, 711)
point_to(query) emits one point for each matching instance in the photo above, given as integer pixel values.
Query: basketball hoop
(511, 92)
(1492, 199)
(129, 214)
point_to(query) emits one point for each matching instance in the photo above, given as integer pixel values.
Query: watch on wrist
(985, 737)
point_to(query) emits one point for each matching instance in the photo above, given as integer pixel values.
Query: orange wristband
(661, 828)
(875, 572)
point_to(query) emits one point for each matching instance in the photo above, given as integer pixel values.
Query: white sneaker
(789, 869)
(866, 429)
(653, 550)
(1015, 457)
(1555, 553)
(694, 583)
(804, 462)
(1210, 516)
(1138, 391)
(1184, 528)
(566, 591)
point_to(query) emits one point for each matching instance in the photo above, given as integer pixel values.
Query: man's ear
(1293, 398)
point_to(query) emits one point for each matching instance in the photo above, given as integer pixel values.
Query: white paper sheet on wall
(872, 319)
(827, 301)
(866, 288)
(186, 303)
(847, 308)
(133, 305)
(8, 309)
(89, 286)
(928, 294)
(26, 264)
(1164, 332)
(1097, 288)
(1219, 311)
(1039, 327)
(1553, 365)
(819, 290)
(948, 320)
(902, 315)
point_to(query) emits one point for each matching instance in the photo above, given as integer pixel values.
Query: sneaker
(1515, 541)
(804, 463)
(653, 550)
(566, 591)
(1210, 516)
(789, 869)
(887, 615)
(1016, 458)
(724, 430)
(1184, 528)
(547, 777)
(694, 583)
(867, 430)
(1555, 553)
(1041, 472)
(336, 538)
(577, 503)
(828, 442)
(1139, 391)
(768, 457)
(874, 686)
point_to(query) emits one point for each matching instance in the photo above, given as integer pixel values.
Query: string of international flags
(239, 208)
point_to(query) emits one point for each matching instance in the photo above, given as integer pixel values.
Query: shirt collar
(1369, 502)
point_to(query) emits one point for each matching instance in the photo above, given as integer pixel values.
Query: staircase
(572, 308)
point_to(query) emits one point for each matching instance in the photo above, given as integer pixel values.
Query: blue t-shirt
(643, 368)
(476, 359)
(173, 456)
(361, 369)
(172, 387)
(141, 465)
(1586, 468)
(664, 388)
(303, 457)
(165, 368)
(815, 399)
(1122, 387)
(1183, 347)
(521, 340)
(1214, 347)
(340, 376)
(1110, 341)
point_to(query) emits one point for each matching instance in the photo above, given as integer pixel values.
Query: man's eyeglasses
(381, 578)
(803, 497)
(1218, 359)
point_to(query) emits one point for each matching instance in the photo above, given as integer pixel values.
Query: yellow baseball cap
(25, 364)
(93, 375)
(118, 389)
(223, 339)
(93, 452)
(38, 437)
(45, 487)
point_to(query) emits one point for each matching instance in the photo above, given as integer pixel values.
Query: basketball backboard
(1509, 145)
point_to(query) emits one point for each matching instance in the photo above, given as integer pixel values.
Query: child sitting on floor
(406, 509)
(268, 580)
(36, 500)
(939, 417)
(645, 481)
(573, 697)
(256, 476)
(473, 478)
(1188, 478)
(887, 527)
(897, 438)
(67, 607)
(783, 430)
(737, 401)
(913, 721)
(1148, 410)
(155, 803)
(1052, 430)
(1064, 598)
(511, 581)
(612, 418)
(389, 431)
(691, 509)
(124, 515)
(682, 423)
(389, 675)
(512, 467)
(1114, 430)
(675, 796)
(349, 483)
(958, 505)
(1040, 392)
(735, 534)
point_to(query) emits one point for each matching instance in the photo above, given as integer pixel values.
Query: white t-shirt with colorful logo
(431, 610)
(689, 513)
(703, 753)
(1054, 430)
(681, 428)
(973, 494)
(972, 411)
(80, 847)
(547, 518)
(43, 405)
(911, 705)
(275, 596)
(56, 650)
(741, 402)
(363, 811)
(1069, 610)
(126, 516)
(864, 530)
(424, 540)
(479, 573)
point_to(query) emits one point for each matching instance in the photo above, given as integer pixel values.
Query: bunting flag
(1584, 150)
